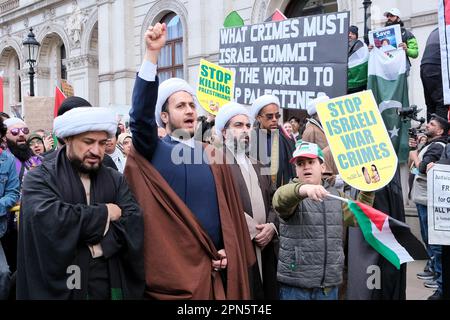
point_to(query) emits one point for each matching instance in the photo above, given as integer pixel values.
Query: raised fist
(155, 37)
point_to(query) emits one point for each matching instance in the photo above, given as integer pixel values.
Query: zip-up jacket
(311, 247)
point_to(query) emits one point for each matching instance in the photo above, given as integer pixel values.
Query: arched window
(298, 8)
(170, 61)
(62, 52)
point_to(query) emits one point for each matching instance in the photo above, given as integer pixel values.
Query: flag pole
(337, 197)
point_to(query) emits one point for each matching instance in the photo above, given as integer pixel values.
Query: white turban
(312, 105)
(226, 112)
(166, 89)
(263, 101)
(85, 119)
(13, 121)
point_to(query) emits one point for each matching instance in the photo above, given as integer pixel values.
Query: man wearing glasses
(273, 146)
(16, 140)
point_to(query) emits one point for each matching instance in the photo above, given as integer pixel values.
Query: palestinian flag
(276, 16)
(357, 68)
(389, 237)
(387, 80)
(59, 98)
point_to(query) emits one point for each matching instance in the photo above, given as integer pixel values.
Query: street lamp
(31, 48)
(366, 4)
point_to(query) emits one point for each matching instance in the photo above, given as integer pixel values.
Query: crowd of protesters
(179, 206)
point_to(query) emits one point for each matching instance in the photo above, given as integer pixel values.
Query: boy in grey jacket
(311, 256)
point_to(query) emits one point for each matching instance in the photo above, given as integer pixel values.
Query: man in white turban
(313, 130)
(233, 123)
(80, 227)
(190, 206)
(273, 146)
(314, 133)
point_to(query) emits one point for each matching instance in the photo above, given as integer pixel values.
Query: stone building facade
(97, 44)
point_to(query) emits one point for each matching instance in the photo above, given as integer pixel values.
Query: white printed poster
(386, 39)
(438, 188)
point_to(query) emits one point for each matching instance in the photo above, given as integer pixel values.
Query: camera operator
(436, 131)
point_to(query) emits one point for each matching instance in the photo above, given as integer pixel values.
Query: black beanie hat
(353, 29)
(72, 102)
(442, 121)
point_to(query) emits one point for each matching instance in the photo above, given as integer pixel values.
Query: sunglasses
(269, 116)
(15, 131)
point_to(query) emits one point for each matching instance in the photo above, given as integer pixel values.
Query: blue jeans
(434, 251)
(423, 222)
(296, 293)
(437, 252)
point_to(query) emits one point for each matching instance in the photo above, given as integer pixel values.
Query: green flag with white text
(388, 82)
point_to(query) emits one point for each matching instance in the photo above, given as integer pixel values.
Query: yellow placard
(215, 86)
(359, 141)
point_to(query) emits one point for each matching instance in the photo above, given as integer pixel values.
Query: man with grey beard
(233, 124)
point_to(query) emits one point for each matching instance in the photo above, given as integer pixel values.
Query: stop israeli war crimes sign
(294, 59)
(359, 142)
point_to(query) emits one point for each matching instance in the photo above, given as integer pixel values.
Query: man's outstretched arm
(145, 94)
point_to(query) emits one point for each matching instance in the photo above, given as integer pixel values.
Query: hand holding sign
(215, 86)
(387, 38)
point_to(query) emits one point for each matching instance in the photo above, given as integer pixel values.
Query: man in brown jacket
(196, 242)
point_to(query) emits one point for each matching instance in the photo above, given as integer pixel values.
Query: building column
(115, 46)
(82, 74)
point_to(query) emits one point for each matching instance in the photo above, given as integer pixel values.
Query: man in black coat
(80, 229)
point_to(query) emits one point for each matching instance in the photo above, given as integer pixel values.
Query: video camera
(411, 113)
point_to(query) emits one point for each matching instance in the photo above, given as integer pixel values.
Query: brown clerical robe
(177, 250)
(267, 286)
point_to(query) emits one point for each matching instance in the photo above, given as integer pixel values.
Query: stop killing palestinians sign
(359, 142)
(215, 86)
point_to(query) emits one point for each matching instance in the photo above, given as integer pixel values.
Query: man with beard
(16, 139)
(25, 160)
(273, 146)
(81, 233)
(9, 194)
(197, 244)
(409, 41)
(436, 131)
(68, 104)
(233, 124)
